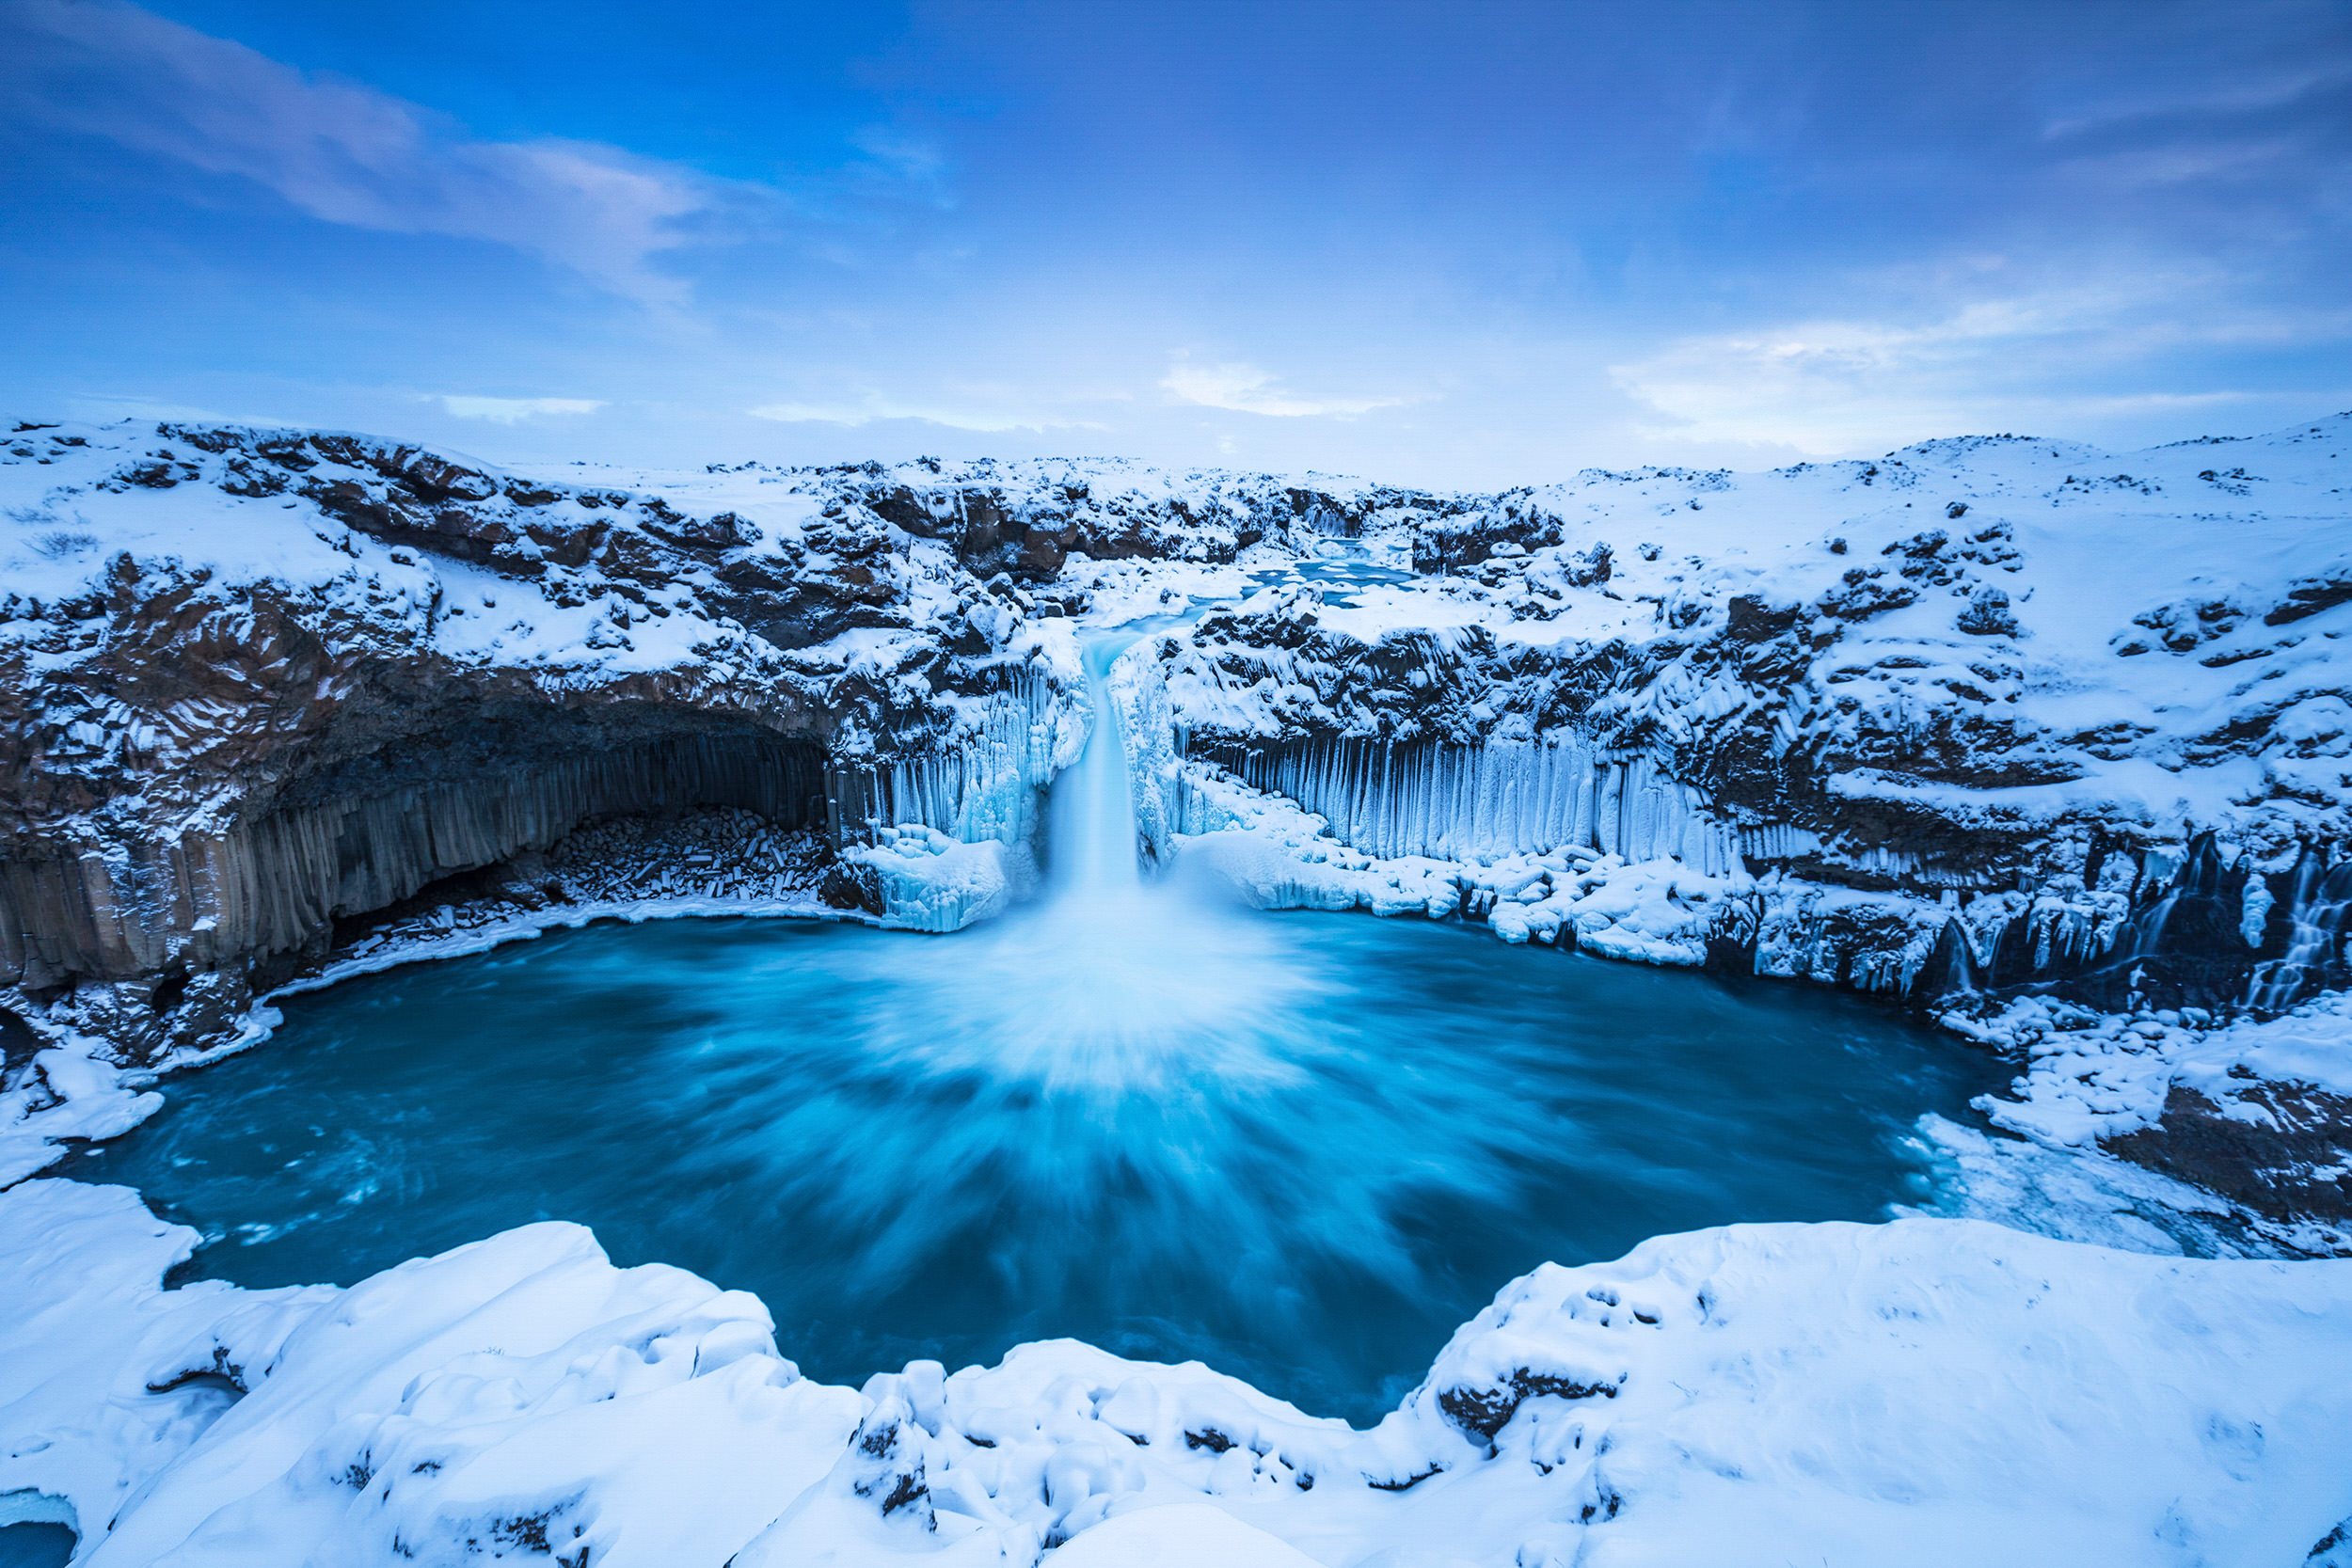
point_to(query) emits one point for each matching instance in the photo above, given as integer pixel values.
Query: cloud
(2065, 356)
(1247, 389)
(2214, 92)
(513, 410)
(340, 152)
(899, 156)
(871, 407)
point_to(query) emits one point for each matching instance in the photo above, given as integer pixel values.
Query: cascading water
(2319, 912)
(1093, 819)
(1101, 985)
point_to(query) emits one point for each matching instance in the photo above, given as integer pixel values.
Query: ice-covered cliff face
(258, 682)
(1990, 668)
(2053, 740)
(1997, 724)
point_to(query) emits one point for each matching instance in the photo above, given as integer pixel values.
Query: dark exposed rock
(2309, 596)
(1481, 1413)
(2288, 1165)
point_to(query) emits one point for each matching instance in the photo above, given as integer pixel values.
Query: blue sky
(1447, 244)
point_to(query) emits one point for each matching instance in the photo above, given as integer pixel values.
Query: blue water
(1301, 1148)
(36, 1546)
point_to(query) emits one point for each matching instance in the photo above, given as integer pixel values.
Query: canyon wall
(1965, 722)
(1975, 719)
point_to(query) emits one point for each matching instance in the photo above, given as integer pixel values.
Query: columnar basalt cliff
(2034, 737)
(2029, 735)
(2097, 725)
(261, 681)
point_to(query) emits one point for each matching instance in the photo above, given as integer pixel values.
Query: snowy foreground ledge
(1926, 1391)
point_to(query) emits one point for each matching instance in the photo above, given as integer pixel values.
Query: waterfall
(2320, 911)
(1109, 983)
(1094, 810)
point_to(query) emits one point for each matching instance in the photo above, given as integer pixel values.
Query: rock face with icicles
(2090, 707)
(2024, 733)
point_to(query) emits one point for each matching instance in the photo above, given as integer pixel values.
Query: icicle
(1507, 797)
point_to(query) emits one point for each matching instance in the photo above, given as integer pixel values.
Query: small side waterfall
(2320, 910)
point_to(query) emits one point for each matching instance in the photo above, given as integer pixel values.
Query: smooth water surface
(1301, 1148)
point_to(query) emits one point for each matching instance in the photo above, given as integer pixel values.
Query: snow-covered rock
(2103, 689)
(2052, 741)
(1922, 1392)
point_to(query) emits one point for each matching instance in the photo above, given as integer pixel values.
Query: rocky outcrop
(1887, 678)
(260, 681)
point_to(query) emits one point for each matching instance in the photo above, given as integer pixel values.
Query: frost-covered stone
(1753, 1394)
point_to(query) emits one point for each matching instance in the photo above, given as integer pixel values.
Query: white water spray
(1112, 987)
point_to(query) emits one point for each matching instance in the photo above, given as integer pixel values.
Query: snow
(2093, 1076)
(65, 1094)
(2169, 665)
(2079, 1195)
(1178, 1535)
(2310, 1045)
(932, 882)
(1929, 1391)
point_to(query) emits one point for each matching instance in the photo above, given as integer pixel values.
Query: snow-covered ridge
(1984, 628)
(1756, 1394)
(2057, 700)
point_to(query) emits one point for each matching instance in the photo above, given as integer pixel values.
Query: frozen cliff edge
(278, 702)
(2053, 744)
(1747, 1395)
(2050, 743)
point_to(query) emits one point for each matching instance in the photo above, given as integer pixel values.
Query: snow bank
(1926, 1391)
(64, 1094)
(2094, 1076)
(930, 881)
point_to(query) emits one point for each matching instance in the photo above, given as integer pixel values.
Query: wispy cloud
(342, 152)
(874, 408)
(512, 410)
(905, 159)
(2212, 93)
(1830, 385)
(1247, 389)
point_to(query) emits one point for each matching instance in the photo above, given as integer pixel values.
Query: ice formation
(1505, 797)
